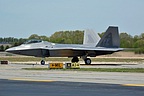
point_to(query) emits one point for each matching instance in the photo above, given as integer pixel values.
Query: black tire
(42, 62)
(87, 61)
(75, 59)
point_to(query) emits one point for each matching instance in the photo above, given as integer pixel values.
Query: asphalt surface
(29, 88)
(17, 82)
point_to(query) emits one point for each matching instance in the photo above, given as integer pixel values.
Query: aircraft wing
(71, 51)
(86, 49)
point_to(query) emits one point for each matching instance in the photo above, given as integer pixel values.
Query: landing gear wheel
(75, 59)
(87, 61)
(42, 62)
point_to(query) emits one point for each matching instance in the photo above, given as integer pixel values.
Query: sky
(22, 18)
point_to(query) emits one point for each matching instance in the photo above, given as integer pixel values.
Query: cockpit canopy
(32, 41)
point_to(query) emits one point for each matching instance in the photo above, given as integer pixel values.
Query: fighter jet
(92, 46)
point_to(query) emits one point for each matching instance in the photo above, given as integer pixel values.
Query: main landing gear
(87, 60)
(74, 59)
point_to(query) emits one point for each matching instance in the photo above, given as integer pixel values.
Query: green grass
(133, 70)
(27, 59)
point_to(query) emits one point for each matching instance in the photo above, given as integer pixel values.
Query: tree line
(76, 37)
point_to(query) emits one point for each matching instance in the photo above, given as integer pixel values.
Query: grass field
(30, 59)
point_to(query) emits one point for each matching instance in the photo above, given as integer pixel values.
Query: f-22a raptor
(92, 46)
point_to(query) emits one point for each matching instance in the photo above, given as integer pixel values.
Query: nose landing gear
(42, 62)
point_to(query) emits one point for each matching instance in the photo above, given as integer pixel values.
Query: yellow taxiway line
(35, 80)
(32, 80)
(139, 85)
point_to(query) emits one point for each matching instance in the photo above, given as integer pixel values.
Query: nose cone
(11, 50)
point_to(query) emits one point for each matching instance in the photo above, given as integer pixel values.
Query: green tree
(126, 40)
(34, 36)
(67, 37)
(7, 47)
(101, 34)
(1, 48)
(45, 38)
(139, 44)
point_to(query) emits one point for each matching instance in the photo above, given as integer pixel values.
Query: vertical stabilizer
(90, 38)
(110, 39)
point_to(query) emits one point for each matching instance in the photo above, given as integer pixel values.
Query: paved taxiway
(14, 71)
(17, 82)
(29, 88)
